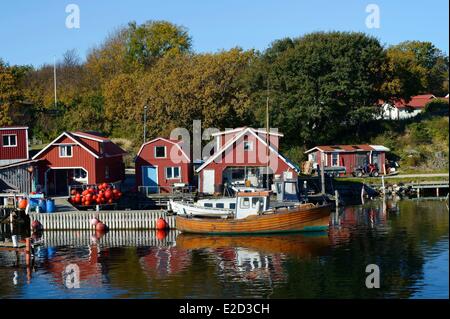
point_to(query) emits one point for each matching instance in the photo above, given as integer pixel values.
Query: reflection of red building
(166, 261)
(89, 270)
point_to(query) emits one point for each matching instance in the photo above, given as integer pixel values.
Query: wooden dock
(80, 220)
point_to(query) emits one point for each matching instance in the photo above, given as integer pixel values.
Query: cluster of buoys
(102, 194)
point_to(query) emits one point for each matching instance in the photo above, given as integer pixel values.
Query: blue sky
(33, 32)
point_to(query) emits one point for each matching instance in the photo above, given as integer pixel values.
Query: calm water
(408, 240)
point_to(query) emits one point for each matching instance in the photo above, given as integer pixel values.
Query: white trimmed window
(9, 140)
(160, 152)
(334, 159)
(173, 172)
(65, 151)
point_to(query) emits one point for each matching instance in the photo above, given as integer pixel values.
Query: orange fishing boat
(252, 215)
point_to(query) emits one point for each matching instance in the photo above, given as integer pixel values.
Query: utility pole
(145, 123)
(54, 78)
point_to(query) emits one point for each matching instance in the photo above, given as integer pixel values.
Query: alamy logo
(373, 19)
(71, 276)
(373, 279)
(73, 19)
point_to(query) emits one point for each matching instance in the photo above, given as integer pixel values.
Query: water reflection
(407, 239)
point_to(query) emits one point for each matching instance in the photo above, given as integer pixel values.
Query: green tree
(418, 67)
(10, 95)
(320, 85)
(152, 40)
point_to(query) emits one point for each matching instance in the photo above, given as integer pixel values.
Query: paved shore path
(418, 175)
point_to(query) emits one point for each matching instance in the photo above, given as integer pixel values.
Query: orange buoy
(161, 224)
(23, 204)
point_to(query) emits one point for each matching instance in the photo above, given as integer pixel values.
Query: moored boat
(253, 215)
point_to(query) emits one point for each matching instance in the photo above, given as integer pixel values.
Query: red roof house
(402, 109)
(75, 158)
(244, 155)
(13, 145)
(349, 157)
(160, 164)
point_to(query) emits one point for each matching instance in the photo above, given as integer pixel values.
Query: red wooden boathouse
(348, 157)
(243, 156)
(162, 163)
(13, 145)
(75, 158)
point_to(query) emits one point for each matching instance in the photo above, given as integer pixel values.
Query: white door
(208, 181)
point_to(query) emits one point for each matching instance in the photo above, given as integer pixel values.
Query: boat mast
(267, 135)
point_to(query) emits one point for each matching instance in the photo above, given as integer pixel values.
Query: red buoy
(94, 221)
(36, 225)
(101, 227)
(161, 224)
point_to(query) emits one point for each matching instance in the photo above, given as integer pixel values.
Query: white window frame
(165, 152)
(8, 136)
(249, 145)
(61, 147)
(172, 169)
(337, 159)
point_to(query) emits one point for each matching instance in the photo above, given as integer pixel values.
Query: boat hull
(300, 219)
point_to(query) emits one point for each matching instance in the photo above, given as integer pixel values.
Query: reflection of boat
(254, 216)
(295, 244)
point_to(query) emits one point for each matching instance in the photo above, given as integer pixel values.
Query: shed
(75, 158)
(162, 163)
(349, 157)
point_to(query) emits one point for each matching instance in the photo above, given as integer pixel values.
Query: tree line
(323, 87)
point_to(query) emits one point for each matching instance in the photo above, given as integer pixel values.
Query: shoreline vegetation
(323, 88)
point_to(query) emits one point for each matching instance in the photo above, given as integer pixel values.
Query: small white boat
(218, 207)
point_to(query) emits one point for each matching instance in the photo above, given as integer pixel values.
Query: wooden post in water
(382, 185)
(336, 198)
(437, 191)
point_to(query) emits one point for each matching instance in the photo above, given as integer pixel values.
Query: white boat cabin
(241, 206)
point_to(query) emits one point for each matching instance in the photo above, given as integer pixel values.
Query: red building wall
(20, 152)
(236, 156)
(80, 159)
(147, 158)
(348, 159)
